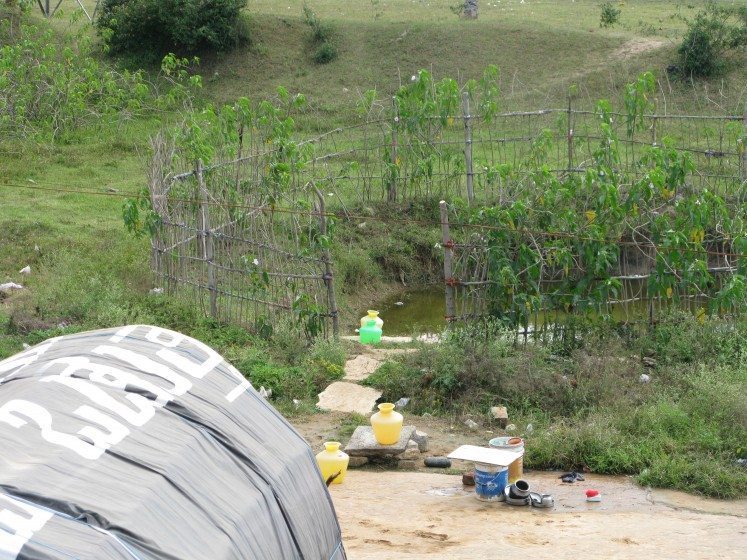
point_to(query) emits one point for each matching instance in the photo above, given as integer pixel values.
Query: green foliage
(321, 37)
(156, 27)
(424, 111)
(326, 52)
(300, 377)
(716, 30)
(609, 16)
(637, 98)
(139, 217)
(49, 89)
(321, 32)
(572, 229)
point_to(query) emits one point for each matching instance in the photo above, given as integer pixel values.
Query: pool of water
(422, 310)
(411, 311)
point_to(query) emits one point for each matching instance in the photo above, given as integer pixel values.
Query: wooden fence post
(570, 136)
(743, 173)
(468, 147)
(392, 192)
(206, 239)
(448, 254)
(328, 273)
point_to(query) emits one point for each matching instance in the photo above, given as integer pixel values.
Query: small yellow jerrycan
(333, 462)
(372, 315)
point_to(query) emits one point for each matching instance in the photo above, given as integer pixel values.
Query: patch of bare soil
(410, 515)
(635, 47)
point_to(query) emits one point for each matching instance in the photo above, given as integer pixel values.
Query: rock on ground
(360, 367)
(348, 397)
(363, 443)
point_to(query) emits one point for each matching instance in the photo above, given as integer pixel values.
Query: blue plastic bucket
(490, 481)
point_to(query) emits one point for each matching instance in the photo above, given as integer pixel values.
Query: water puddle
(423, 310)
(412, 311)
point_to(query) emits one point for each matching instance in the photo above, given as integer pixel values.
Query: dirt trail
(635, 47)
(411, 515)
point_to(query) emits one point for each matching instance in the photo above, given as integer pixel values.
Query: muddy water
(422, 310)
(407, 515)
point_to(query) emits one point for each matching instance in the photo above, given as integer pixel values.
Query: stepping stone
(348, 397)
(360, 367)
(363, 443)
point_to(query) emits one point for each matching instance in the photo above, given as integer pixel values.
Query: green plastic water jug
(370, 333)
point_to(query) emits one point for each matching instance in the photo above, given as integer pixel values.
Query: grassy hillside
(541, 47)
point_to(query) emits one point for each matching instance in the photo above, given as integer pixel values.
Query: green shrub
(48, 88)
(157, 27)
(715, 31)
(610, 15)
(326, 52)
(321, 37)
(321, 32)
(679, 338)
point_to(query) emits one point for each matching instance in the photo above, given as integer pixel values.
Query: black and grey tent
(143, 443)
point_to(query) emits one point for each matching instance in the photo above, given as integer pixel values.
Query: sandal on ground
(572, 477)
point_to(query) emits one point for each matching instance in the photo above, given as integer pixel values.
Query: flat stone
(355, 462)
(421, 438)
(363, 443)
(407, 464)
(360, 367)
(348, 397)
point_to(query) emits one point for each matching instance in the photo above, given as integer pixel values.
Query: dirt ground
(388, 514)
(414, 515)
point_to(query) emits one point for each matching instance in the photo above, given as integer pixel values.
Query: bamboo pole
(206, 240)
(744, 145)
(448, 256)
(468, 147)
(328, 272)
(570, 135)
(392, 190)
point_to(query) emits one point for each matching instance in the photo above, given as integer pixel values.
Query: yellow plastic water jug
(387, 424)
(332, 461)
(372, 314)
